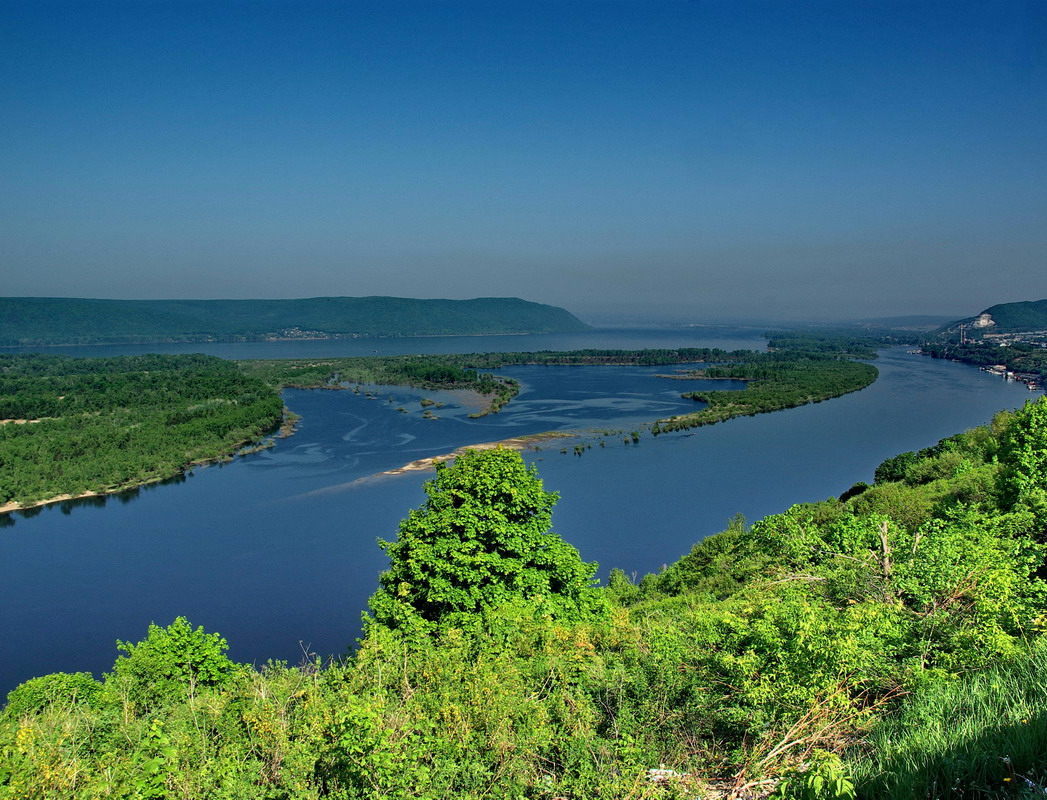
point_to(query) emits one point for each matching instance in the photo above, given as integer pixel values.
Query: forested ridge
(887, 644)
(70, 320)
(1027, 315)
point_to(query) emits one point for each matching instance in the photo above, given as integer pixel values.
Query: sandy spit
(516, 443)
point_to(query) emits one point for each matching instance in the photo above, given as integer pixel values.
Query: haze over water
(279, 547)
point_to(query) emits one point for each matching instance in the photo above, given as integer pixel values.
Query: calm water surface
(607, 338)
(278, 552)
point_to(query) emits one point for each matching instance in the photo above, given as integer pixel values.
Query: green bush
(169, 664)
(61, 688)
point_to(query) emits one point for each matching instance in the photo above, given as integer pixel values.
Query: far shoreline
(347, 337)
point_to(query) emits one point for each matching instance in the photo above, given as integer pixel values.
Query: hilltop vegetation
(1029, 315)
(885, 645)
(61, 320)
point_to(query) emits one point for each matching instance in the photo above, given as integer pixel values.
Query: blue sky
(671, 159)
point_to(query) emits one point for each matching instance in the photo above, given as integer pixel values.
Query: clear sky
(689, 159)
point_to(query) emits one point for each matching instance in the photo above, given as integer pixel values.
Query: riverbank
(244, 448)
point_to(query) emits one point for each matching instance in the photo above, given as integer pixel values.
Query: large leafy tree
(481, 540)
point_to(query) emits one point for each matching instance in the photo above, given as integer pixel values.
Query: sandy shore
(516, 443)
(7, 507)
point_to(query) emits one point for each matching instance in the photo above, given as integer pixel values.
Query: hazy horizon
(651, 319)
(678, 160)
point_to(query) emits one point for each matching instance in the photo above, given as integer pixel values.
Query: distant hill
(67, 320)
(1030, 315)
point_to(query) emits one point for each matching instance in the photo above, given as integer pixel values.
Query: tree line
(98, 425)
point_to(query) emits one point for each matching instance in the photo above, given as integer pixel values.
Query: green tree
(481, 540)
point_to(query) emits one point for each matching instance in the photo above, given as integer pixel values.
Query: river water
(277, 550)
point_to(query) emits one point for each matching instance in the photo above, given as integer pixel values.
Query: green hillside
(67, 320)
(1028, 315)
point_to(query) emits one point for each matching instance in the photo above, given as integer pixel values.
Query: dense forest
(73, 426)
(887, 644)
(67, 320)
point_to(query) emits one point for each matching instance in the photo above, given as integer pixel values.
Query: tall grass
(982, 735)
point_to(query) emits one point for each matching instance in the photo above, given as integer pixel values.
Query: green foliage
(717, 566)
(822, 778)
(481, 539)
(895, 468)
(910, 506)
(168, 664)
(156, 759)
(98, 425)
(776, 381)
(894, 636)
(61, 688)
(1024, 480)
(859, 488)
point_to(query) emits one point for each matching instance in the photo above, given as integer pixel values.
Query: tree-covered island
(885, 645)
(75, 426)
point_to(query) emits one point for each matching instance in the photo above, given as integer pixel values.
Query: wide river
(277, 550)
